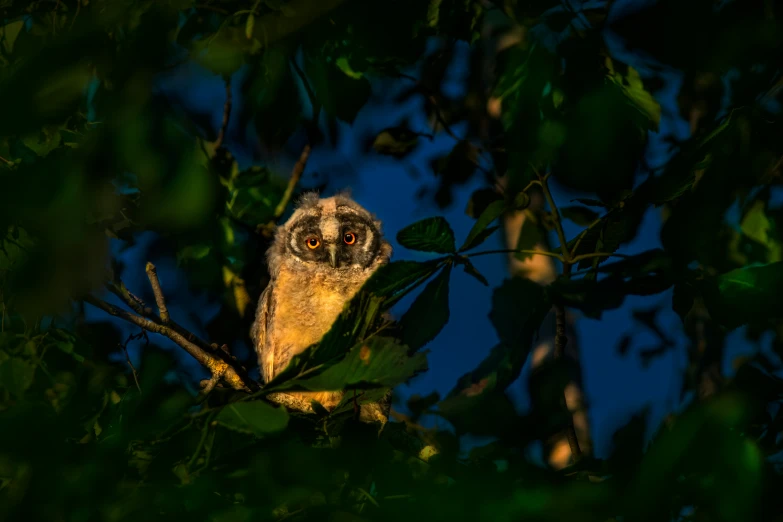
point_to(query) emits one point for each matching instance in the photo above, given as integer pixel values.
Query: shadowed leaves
(429, 313)
(746, 295)
(428, 235)
(254, 417)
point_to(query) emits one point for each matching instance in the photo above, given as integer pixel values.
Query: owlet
(318, 261)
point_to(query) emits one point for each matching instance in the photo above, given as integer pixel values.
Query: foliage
(93, 155)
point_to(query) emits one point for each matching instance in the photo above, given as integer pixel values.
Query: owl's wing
(258, 333)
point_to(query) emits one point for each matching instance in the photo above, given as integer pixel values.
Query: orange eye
(312, 243)
(349, 238)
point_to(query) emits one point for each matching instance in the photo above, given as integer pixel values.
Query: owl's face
(332, 232)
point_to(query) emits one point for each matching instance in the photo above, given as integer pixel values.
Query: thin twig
(296, 175)
(152, 274)
(310, 92)
(555, 215)
(582, 235)
(204, 432)
(226, 114)
(515, 251)
(10, 163)
(597, 254)
(127, 357)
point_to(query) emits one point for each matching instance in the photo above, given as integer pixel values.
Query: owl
(317, 262)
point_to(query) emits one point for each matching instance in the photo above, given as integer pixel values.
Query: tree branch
(226, 115)
(152, 275)
(296, 175)
(555, 216)
(561, 341)
(219, 362)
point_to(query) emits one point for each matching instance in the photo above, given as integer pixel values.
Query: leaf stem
(516, 251)
(597, 254)
(555, 213)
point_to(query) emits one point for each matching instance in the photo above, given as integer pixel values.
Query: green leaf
(706, 430)
(9, 33)
(429, 313)
(385, 287)
(16, 375)
(471, 270)
(428, 235)
(633, 88)
(748, 295)
(341, 96)
(380, 362)
(480, 200)
(254, 417)
(478, 234)
(580, 215)
(397, 278)
(757, 226)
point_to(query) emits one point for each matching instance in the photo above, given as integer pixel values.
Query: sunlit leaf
(380, 362)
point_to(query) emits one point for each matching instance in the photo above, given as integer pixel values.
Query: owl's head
(334, 232)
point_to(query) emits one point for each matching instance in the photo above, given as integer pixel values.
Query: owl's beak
(332, 255)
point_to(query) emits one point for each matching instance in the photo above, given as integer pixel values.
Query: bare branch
(136, 304)
(152, 274)
(212, 362)
(296, 175)
(127, 357)
(290, 402)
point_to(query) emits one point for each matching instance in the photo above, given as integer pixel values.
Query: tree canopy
(93, 156)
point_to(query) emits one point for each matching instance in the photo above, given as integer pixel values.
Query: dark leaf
(340, 95)
(590, 202)
(477, 234)
(708, 429)
(16, 375)
(745, 295)
(480, 200)
(429, 313)
(580, 215)
(471, 270)
(428, 235)
(682, 299)
(255, 417)
(396, 141)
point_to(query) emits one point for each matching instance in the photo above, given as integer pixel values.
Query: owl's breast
(307, 303)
